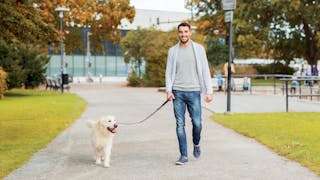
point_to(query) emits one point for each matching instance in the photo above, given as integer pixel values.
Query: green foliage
(275, 68)
(281, 30)
(29, 120)
(3, 82)
(25, 64)
(22, 23)
(151, 46)
(130, 47)
(24, 37)
(294, 135)
(134, 80)
(155, 52)
(217, 53)
(210, 17)
(102, 18)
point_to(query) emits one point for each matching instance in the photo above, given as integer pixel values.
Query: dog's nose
(116, 125)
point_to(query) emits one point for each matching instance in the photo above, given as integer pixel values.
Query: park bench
(55, 84)
(49, 84)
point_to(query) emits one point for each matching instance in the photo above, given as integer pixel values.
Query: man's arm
(208, 97)
(206, 73)
(169, 72)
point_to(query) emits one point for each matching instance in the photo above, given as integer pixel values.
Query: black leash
(147, 116)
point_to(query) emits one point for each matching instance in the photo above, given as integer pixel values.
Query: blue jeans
(190, 100)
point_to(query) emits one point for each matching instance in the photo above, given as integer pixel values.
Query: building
(162, 20)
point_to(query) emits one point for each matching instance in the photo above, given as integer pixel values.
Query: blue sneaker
(182, 160)
(196, 151)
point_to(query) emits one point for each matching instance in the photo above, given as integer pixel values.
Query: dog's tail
(90, 123)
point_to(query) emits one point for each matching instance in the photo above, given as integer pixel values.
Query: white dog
(103, 132)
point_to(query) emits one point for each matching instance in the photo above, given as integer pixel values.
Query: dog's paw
(106, 165)
(98, 161)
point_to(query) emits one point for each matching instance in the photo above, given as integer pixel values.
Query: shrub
(3, 82)
(245, 69)
(134, 80)
(275, 68)
(25, 64)
(217, 53)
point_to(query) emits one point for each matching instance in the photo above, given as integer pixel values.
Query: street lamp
(229, 6)
(61, 9)
(88, 57)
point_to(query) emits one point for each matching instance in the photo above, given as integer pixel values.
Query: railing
(276, 86)
(302, 79)
(275, 83)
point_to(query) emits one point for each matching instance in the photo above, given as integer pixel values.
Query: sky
(165, 5)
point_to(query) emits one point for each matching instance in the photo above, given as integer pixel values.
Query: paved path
(149, 150)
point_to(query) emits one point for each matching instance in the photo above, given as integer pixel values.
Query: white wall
(148, 18)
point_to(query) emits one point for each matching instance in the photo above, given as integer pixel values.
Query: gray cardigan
(202, 68)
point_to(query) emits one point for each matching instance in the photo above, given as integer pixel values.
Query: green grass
(265, 82)
(29, 120)
(294, 135)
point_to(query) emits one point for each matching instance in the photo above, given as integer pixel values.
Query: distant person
(219, 82)
(297, 73)
(225, 70)
(308, 73)
(308, 70)
(294, 85)
(246, 84)
(314, 72)
(303, 72)
(187, 76)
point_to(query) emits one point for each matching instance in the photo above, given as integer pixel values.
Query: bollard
(100, 78)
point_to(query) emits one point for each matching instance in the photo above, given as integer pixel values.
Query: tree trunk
(312, 52)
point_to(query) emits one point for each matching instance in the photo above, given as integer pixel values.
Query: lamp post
(229, 6)
(88, 57)
(61, 9)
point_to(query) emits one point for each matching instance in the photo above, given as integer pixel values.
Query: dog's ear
(90, 123)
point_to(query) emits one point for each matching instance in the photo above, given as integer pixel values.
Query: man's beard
(184, 42)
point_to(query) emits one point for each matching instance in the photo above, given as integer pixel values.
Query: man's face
(184, 34)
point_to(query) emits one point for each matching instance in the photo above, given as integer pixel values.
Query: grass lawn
(294, 135)
(265, 82)
(29, 120)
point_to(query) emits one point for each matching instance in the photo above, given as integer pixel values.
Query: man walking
(187, 76)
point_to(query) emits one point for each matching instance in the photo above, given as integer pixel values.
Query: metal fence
(314, 91)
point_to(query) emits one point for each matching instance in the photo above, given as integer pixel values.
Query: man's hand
(208, 98)
(170, 96)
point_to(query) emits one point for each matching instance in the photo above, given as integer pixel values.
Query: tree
(151, 46)
(24, 38)
(279, 29)
(209, 17)
(22, 23)
(131, 47)
(155, 51)
(25, 64)
(217, 53)
(102, 18)
(299, 20)
(31, 26)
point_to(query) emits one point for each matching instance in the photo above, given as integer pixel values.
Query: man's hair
(184, 24)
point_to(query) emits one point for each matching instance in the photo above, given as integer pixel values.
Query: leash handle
(147, 116)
